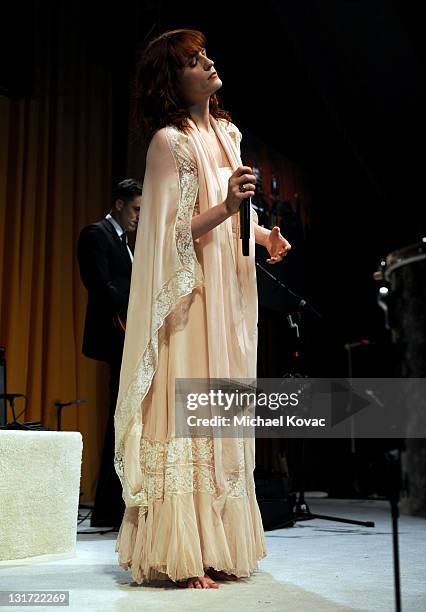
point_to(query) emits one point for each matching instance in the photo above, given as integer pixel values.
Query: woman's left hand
(277, 246)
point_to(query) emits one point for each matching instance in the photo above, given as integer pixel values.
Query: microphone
(245, 225)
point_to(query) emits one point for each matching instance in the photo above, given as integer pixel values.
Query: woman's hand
(241, 185)
(277, 246)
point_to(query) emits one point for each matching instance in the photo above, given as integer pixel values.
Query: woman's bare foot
(221, 575)
(198, 582)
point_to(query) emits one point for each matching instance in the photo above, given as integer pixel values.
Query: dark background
(337, 86)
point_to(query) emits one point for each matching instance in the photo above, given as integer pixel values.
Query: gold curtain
(55, 174)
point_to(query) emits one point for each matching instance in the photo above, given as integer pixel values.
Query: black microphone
(245, 224)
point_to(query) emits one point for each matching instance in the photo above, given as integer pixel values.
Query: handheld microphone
(245, 225)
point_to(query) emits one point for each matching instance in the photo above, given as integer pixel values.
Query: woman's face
(198, 79)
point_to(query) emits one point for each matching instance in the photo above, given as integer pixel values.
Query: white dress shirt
(120, 232)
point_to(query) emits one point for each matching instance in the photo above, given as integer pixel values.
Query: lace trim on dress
(185, 465)
(188, 181)
(233, 131)
(180, 285)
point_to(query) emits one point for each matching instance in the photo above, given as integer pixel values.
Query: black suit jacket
(105, 269)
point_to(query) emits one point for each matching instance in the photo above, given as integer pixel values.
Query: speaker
(275, 499)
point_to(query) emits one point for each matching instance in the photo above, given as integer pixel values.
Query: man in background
(105, 259)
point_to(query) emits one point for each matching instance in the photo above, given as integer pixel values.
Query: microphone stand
(301, 302)
(302, 511)
(10, 397)
(59, 406)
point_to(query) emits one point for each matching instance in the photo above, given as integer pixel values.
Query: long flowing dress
(190, 502)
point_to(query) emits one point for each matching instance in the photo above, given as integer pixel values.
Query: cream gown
(196, 506)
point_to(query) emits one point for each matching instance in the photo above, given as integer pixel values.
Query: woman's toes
(198, 582)
(211, 584)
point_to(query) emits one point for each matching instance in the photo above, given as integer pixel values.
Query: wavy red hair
(156, 98)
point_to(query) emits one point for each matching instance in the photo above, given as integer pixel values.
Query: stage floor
(316, 566)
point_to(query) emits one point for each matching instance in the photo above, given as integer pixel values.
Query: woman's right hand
(241, 185)
(212, 217)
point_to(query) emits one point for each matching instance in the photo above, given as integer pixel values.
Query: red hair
(157, 102)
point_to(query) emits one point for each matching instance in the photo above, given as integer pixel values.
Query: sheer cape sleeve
(165, 272)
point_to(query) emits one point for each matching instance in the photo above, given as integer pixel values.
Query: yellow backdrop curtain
(55, 178)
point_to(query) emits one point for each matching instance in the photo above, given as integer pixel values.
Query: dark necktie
(123, 239)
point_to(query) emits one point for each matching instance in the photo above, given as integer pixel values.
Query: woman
(191, 511)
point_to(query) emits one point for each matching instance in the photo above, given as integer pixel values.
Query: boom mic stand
(28, 426)
(301, 302)
(10, 397)
(60, 405)
(302, 511)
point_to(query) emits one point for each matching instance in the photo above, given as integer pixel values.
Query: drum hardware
(383, 290)
(402, 295)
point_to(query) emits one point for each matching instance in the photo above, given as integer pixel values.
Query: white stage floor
(316, 566)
